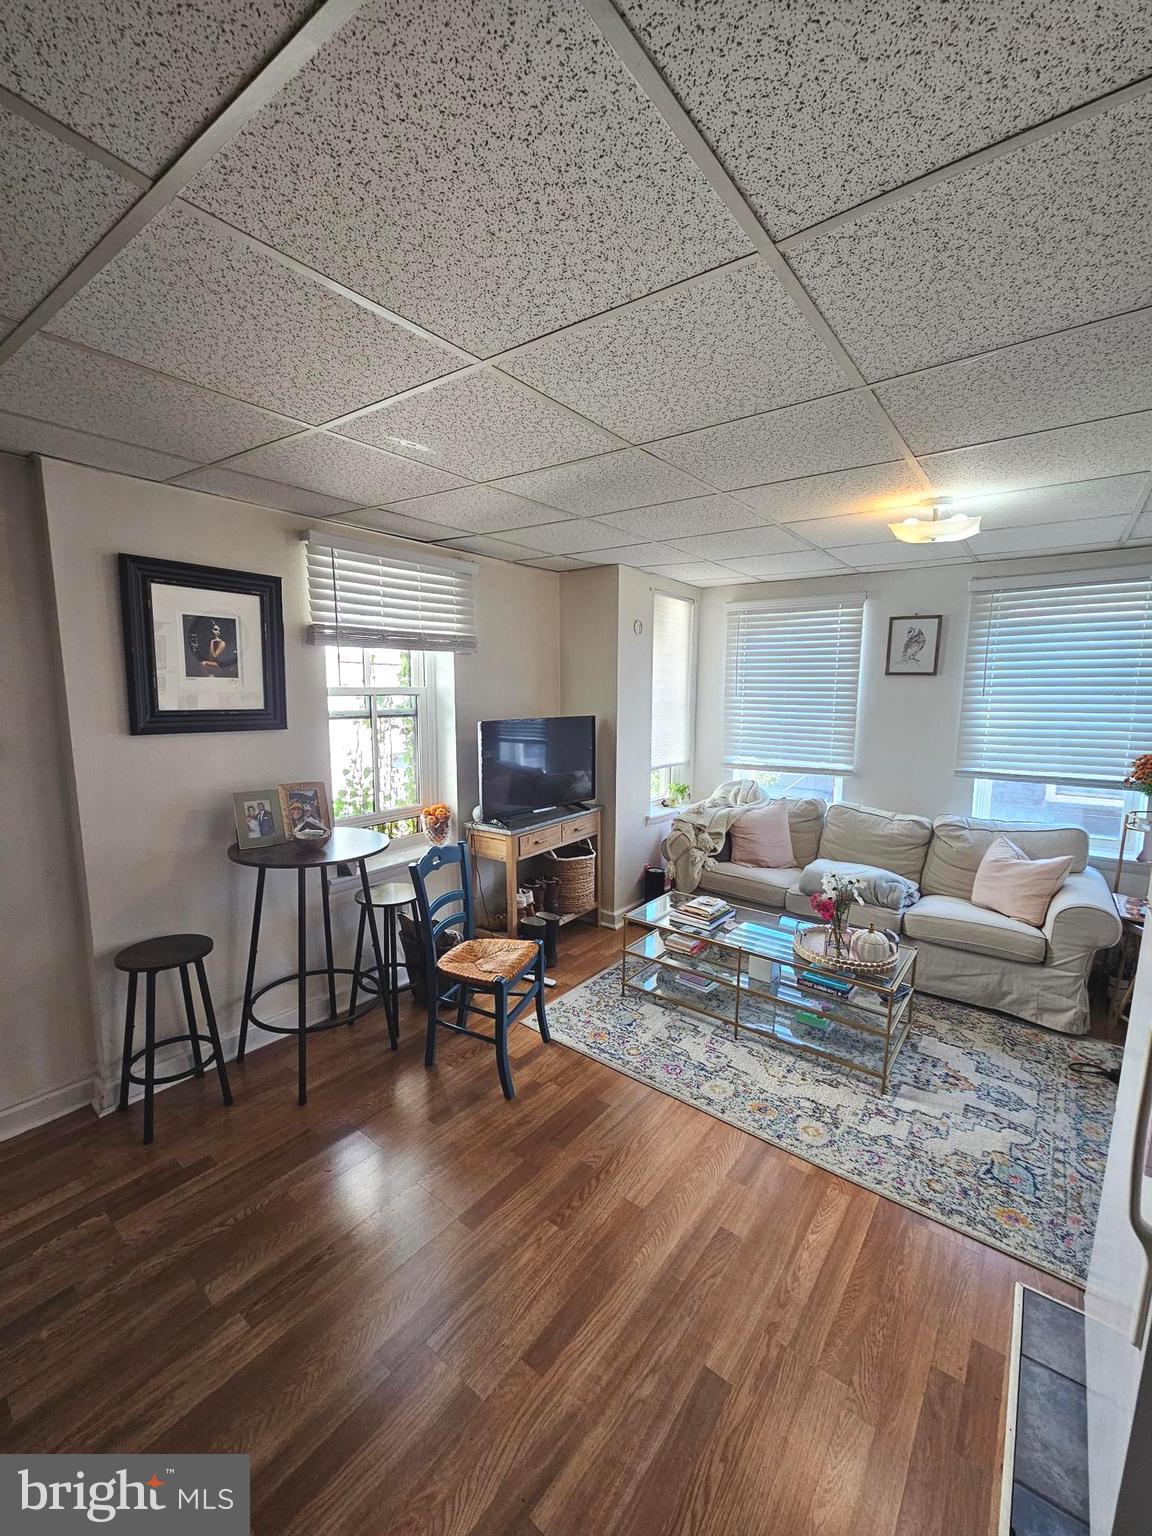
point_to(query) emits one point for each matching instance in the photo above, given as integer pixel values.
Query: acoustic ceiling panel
(683, 519)
(832, 495)
(222, 481)
(609, 483)
(480, 509)
(1093, 450)
(750, 541)
(573, 536)
(335, 466)
(1048, 538)
(18, 434)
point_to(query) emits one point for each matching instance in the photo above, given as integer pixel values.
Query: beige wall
(155, 811)
(589, 610)
(46, 1040)
(906, 726)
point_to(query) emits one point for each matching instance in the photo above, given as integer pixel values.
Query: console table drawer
(537, 842)
(583, 826)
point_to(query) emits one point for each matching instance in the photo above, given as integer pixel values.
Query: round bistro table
(347, 845)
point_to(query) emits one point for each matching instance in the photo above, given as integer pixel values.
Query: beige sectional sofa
(965, 952)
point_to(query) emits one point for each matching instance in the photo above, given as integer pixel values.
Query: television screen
(528, 766)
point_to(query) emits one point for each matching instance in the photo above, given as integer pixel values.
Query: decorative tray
(808, 945)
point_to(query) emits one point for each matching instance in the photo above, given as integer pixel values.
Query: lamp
(936, 529)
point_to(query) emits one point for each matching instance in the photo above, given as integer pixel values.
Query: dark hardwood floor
(423, 1310)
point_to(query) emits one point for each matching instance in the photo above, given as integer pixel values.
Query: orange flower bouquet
(436, 821)
(1140, 775)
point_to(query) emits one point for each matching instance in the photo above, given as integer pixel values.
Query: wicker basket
(575, 870)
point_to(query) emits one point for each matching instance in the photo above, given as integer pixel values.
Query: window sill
(393, 864)
(658, 813)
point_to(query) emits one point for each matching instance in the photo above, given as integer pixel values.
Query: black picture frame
(138, 574)
(930, 626)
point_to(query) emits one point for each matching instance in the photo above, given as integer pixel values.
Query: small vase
(435, 831)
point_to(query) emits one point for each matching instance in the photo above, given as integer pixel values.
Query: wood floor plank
(421, 1308)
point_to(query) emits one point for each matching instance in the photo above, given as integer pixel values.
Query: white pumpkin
(870, 947)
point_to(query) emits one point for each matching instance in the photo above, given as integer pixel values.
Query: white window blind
(671, 680)
(1058, 681)
(362, 594)
(791, 680)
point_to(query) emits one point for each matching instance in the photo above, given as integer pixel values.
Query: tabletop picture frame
(913, 645)
(203, 648)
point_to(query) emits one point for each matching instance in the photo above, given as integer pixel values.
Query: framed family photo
(203, 648)
(913, 645)
(305, 810)
(259, 819)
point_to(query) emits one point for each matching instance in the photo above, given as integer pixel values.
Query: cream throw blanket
(697, 834)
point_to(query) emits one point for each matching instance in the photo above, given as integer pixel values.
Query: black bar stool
(391, 897)
(173, 951)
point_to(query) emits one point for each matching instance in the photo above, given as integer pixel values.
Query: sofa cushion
(1008, 881)
(762, 837)
(806, 824)
(958, 924)
(747, 882)
(879, 887)
(859, 833)
(860, 913)
(960, 842)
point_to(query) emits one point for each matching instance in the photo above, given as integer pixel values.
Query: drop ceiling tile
(725, 347)
(1143, 528)
(643, 556)
(813, 108)
(1053, 234)
(495, 549)
(574, 536)
(265, 493)
(611, 482)
(1041, 538)
(141, 79)
(404, 527)
(483, 426)
(19, 434)
(840, 432)
(696, 573)
(855, 528)
(57, 203)
(480, 509)
(678, 519)
(1098, 370)
(189, 298)
(335, 466)
(781, 567)
(877, 486)
(490, 175)
(1092, 451)
(751, 541)
(880, 557)
(1121, 494)
(94, 393)
(556, 563)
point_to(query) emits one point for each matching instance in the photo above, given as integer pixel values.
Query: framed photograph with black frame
(203, 648)
(913, 645)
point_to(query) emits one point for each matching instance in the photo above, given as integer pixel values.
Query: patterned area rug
(984, 1127)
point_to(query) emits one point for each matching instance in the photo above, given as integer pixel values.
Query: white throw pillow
(1011, 883)
(763, 838)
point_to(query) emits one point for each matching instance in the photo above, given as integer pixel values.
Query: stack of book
(706, 912)
(685, 944)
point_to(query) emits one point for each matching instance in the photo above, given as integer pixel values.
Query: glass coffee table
(749, 978)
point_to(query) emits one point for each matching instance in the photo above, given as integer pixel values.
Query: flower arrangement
(1140, 775)
(831, 903)
(436, 820)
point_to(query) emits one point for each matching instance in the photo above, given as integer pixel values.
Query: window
(793, 786)
(363, 594)
(381, 730)
(791, 681)
(672, 630)
(1058, 682)
(1099, 811)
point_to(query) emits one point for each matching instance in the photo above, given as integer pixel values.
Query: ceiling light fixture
(936, 529)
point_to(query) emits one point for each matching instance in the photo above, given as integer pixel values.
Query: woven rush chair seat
(487, 960)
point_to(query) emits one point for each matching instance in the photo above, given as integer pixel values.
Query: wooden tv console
(508, 847)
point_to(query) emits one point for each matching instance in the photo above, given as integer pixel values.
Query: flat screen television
(528, 767)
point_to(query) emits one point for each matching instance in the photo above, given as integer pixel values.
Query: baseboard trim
(27, 1114)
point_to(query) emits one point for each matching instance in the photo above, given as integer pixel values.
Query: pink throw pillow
(1008, 881)
(763, 838)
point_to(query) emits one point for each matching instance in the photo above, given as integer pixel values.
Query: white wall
(907, 727)
(155, 811)
(46, 1036)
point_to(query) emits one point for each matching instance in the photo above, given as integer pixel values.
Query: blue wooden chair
(492, 967)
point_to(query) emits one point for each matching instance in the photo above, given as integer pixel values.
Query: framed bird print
(203, 648)
(913, 645)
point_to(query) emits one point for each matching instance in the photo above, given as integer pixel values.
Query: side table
(1132, 912)
(347, 845)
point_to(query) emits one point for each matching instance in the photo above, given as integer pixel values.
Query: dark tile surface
(1034, 1516)
(1053, 1335)
(1052, 1437)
